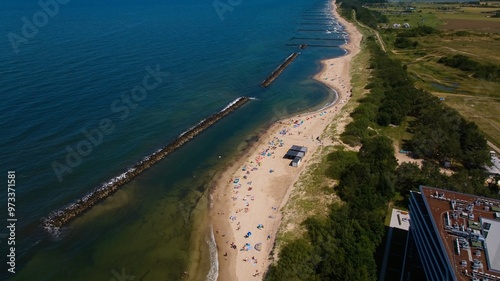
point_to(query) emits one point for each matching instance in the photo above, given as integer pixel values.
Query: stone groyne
(279, 70)
(57, 219)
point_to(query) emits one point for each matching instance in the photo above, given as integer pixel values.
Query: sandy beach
(250, 194)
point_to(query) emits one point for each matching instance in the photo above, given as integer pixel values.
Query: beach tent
(299, 148)
(293, 153)
(258, 246)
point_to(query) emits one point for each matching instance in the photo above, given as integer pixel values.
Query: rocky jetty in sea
(61, 217)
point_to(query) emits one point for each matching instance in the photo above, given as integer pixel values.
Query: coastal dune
(250, 194)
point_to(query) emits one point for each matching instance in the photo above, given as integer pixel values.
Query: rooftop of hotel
(469, 227)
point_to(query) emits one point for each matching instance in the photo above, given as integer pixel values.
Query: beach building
(296, 161)
(296, 153)
(457, 235)
(291, 154)
(299, 148)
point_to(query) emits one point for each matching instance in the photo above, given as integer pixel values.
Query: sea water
(69, 122)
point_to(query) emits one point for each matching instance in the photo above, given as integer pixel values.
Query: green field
(477, 100)
(471, 18)
(444, 16)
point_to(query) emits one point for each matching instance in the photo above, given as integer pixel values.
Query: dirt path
(494, 147)
(379, 39)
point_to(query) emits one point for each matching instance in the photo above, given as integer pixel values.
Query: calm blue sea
(88, 88)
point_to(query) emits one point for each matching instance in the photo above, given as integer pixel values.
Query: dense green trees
(439, 132)
(459, 61)
(392, 97)
(405, 43)
(486, 71)
(296, 263)
(473, 145)
(409, 176)
(341, 247)
(422, 30)
(364, 15)
(339, 161)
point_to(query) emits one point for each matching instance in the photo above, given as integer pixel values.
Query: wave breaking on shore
(213, 274)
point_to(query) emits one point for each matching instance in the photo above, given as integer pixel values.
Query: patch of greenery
(441, 133)
(409, 176)
(405, 43)
(486, 71)
(422, 30)
(364, 15)
(339, 161)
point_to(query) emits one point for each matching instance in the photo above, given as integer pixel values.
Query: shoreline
(252, 204)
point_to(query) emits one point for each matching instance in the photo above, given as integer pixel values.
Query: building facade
(457, 235)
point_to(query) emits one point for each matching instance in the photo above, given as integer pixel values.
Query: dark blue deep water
(69, 121)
